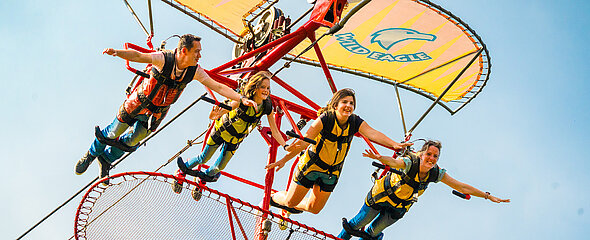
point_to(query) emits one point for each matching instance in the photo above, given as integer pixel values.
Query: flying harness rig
(249, 118)
(326, 134)
(406, 179)
(163, 98)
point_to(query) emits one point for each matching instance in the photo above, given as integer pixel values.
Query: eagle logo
(386, 38)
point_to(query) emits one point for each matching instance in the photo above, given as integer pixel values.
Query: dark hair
(186, 41)
(254, 83)
(333, 103)
(429, 143)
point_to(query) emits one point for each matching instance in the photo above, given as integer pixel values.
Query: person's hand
(370, 154)
(215, 113)
(278, 165)
(287, 148)
(110, 51)
(497, 200)
(401, 146)
(248, 102)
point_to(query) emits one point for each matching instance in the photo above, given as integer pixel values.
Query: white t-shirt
(158, 62)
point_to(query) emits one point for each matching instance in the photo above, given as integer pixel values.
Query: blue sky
(522, 138)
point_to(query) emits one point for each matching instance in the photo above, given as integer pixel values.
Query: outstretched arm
(380, 138)
(217, 111)
(129, 54)
(468, 189)
(222, 89)
(274, 129)
(389, 161)
(298, 146)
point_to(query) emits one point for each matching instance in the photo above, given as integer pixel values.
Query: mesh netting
(142, 205)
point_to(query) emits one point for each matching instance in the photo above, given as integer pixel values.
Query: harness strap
(241, 114)
(125, 116)
(389, 192)
(163, 77)
(315, 159)
(147, 103)
(113, 142)
(408, 179)
(326, 134)
(228, 123)
(411, 176)
(217, 139)
(229, 127)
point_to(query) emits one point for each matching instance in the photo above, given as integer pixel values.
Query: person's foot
(84, 162)
(203, 176)
(289, 209)
(358, 233)
(105, 166)
(176, 185)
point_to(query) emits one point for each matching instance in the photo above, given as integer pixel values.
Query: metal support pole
(399, 105)
(136, 18)
(151, 18)
(444, 92)
(270, 173)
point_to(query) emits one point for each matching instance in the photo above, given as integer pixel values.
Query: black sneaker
(105, 166)
(84, 162)
(203, 176)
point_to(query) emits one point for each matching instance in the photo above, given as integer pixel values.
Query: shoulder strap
(328, 121)
(410, 177)
(353, 126)
(414, 168)
(433, 175)
(166, 70)
(267, 106)
(169, 60)
(189, 75)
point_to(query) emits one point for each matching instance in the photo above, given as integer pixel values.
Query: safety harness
(241, 113)
(160, 79)
(406, 179)
(326, 134)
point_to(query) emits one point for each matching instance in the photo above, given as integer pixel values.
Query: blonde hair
(254, 83)
(333, 103)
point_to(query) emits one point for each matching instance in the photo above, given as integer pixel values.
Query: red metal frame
(233, 210)
(276, 50)
(86, 199)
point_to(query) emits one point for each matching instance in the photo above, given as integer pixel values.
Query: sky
(522, 138)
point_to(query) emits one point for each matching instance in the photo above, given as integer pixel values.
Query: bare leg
(314, 203)
(292, 197)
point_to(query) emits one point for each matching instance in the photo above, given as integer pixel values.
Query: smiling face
(345, 106)
(429, 158)
(263, 90)
(190, 57)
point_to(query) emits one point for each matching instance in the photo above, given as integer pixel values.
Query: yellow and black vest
(402, 190)
(332, 146)
(235, 125)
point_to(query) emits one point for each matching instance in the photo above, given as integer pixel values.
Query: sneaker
(203, 176)
(176, 185)
(105, 166)
(84, 162)
(283, 224)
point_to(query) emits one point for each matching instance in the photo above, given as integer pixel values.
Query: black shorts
(327, 182)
